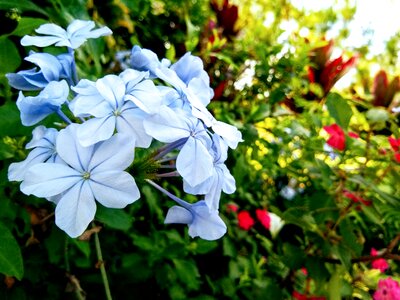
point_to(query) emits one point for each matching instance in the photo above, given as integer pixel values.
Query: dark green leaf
(10, 254)
(114, 218)
(11, 125)
(9, 56)
(187, 272)
(27, 26)
(23, 5)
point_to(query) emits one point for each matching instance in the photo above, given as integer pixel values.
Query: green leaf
(5, 151)
(339, 109)
(114, 218)
(350, 239)
(11, 125)
(293, 256)
(10, 254)
(365, 183)
(203, 247)
(316, 269)
(9, 56)
(335, 285)
(82, 246)
(27, 26)
(23, 5)
(263, 111)
(187, 272)
(377, 117)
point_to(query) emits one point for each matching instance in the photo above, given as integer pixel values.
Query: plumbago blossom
(89, 157)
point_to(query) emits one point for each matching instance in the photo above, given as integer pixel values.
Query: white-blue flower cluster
(88, 158)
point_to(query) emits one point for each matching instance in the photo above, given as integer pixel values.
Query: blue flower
(52, 68)
(193, 85)
(141, 91)
(76, 34)
(90, 173)
(202, 222)
(220, 179)
(147, 60)
(49, 100)
(44, 150)
(112, 109)
(194, 162)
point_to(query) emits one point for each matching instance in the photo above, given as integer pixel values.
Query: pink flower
(379, 263)
(388, 289)
(245, 220)
(337, 138)
(263, 217)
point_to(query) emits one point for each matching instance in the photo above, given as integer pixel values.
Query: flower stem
(63, 116)
(102, 268)
(170, 195)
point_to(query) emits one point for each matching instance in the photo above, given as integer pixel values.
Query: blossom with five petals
(89, 173)
(76, 34)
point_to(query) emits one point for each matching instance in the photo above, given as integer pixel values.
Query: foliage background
(256, 62)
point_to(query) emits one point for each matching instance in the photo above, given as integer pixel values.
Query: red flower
(232, 208)
(227, 15)
(379, 263)
(245, 220)
(298, 296)
(356, 198)
(327, 72)
(334, 70)
(263, 217)
(353, 135)
(337, 138)
(383, 91)
(395, 144)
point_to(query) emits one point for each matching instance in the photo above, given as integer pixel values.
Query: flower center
(86, 175)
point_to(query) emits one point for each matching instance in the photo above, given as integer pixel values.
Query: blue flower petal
(71, 151)
(35, 109)
(194, 162)
(178, 215)
(96, 130)
(167, 126)
(117, 153)
(48, 179)
(207, 224)
(114, 189)
(76, 209)
(130, 123)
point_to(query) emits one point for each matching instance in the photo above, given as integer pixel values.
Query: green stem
(66, 257)
(101, 263)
